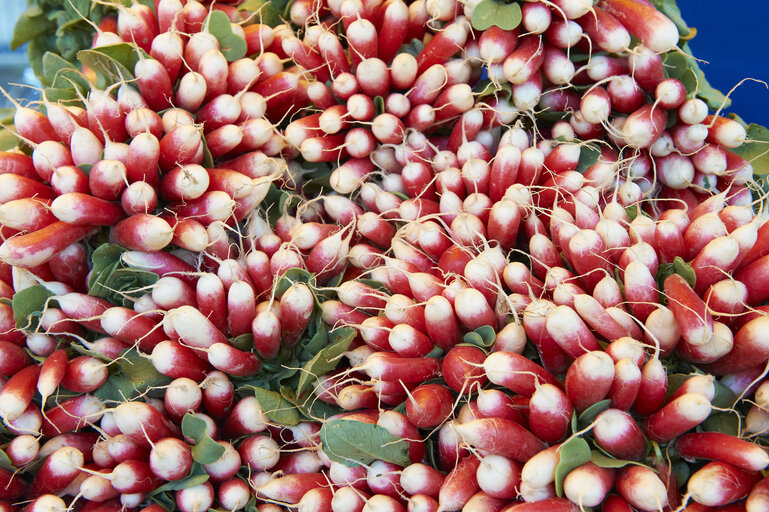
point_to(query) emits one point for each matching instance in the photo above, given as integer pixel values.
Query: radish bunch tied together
(382, 256)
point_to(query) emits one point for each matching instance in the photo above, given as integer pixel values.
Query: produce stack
(383, 256)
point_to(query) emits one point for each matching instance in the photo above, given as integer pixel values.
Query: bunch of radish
(382, 257)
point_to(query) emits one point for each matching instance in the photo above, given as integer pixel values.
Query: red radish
(588, 484)
(225, 467)
(142, 423)
(17, 393)
(260, 453)
(181, 396)
(40, 246)
(57, 472)
(429, 405)
(84, 374)
(725, 132)
(246, 417)
(546, 504)
(291, 488)
(654, 383)
(645, 22)
(233, 361)
(72, 415)
(392, 367)
(627, 383)
(589, 379)
(462, 368)
(642, 488)
(195, 498)
(570, 332)
(724, 448)
(14, 359)
(516, 372)
(550, 413)
(421, 479)
(131, 327)
(719, 483)
(619, 435)
(460, 484)
(23, 449)
(218, 394)
(501, 437)
(644, 126)
(677, 417)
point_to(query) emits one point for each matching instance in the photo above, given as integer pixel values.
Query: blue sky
(734, 38)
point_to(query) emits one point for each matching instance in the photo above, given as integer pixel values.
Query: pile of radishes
(378, 259)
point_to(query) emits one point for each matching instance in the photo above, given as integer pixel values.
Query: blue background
(733, 36)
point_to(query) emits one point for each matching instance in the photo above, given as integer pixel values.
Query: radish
(680, 415)
(724, 448)
(72, 415)
(619, 435)
(588, 484)
(195, 498)
(501, 437)
(16, 394)
(719, 483)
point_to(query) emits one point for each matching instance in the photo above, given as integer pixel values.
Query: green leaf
(243, 342)
(483, 336)
(196, 476)
(278, 409)
(684, 270)
(232, 46)
(62, 74)
(28, 305)
(268, 14)
(573, 454)
(326, 359)
(131, 376)
(314, 340)
(488, 13)
(111, 280)
(312, 408)
(604, 461)
(5, 462)
(724, 398)
(35, 50)
(164, 500)
(379, 105)
(54, 95)
(590, 414)
(208, 158)
(355, 443)
(291, 276)
(8, 140)
(30, 24)
(111, 63)
(486, 87)
(206, 450)
(757, 150)
(588, 155)
(680, 267)
(723, 422)
(634, 211)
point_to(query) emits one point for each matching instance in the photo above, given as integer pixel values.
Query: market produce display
(368, 255)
